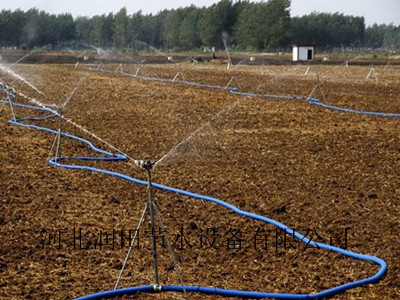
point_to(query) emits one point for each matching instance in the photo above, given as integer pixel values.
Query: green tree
(65, 28)
(328, 30)
(84, 30)
(121, 28)
(135, 28)
(102, 32)
(278, 29)
(374, 35)
(263, 25)
(391, 39)
(216, 19)
(171, 28)
(12, 25)
(189, 37)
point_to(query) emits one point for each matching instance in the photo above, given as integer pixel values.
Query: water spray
(19, 77)
(41, 106)
(25, 56)
(224, 37)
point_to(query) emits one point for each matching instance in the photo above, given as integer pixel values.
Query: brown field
(303, 165)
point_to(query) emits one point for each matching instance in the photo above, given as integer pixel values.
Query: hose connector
(157, 288)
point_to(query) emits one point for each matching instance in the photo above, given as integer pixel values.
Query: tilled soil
(321, 172)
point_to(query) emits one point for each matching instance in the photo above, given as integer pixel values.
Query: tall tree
(217, 19)
(242, 23)
(121, 28)
(263, 25)
(84, 30)
(374, 35)
(391, 40)
(189, 37)
(103, 30)
(172, 26)
(328, 30)
(65, 28)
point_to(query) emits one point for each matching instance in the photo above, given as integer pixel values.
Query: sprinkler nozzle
(60, 109)
(146, 164)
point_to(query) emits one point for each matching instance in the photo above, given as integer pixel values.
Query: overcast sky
(374, 11)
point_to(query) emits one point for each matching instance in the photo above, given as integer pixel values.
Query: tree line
(337, 30)
(242, 25)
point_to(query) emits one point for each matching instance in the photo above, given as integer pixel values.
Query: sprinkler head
(60, 109)
(146, 164)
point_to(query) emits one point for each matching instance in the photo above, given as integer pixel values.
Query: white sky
(374, 11)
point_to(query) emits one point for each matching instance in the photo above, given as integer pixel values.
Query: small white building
(303, 52)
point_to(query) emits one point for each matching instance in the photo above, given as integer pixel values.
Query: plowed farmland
(330, 174)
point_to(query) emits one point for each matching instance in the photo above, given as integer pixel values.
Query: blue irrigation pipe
(57, 162)
(235, 90)
(315, 101)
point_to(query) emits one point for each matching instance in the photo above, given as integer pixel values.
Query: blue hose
(108, 156)
(315, 101)
(235, 90)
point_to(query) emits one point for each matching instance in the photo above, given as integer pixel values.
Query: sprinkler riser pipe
(148, 166)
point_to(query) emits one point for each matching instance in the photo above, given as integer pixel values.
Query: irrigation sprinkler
(233, 79)
(154, 211)
(148, 166)
(371, 74)
(137, 71)
(307, 71)
(176, 76)
(229, 57)
(119, 69)
(11, 108)
(8, 100)
(319, 87)
(100, 66)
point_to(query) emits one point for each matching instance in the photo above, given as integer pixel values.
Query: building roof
(303, 45)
